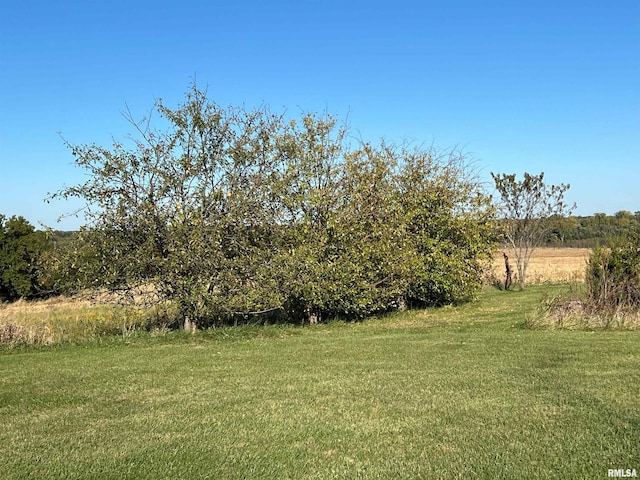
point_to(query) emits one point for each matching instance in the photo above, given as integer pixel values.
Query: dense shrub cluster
(21, 249)
(240, 216)
(613, 278)
(612, 299)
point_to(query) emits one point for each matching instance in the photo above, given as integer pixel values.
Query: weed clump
(611, 296)
(613, 278)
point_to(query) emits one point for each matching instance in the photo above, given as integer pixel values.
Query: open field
(460, 392)
(556, 265)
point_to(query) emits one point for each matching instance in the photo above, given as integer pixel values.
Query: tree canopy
(21, 247)
(241, 215)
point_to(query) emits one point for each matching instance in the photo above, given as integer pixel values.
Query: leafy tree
(369, 233)
(21, 247)
(529, 209)
(187, 209)
(308, 191)
(236, 215)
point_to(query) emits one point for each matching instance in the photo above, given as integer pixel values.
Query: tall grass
(65, 319)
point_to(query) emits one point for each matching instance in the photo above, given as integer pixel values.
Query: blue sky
(532, 86)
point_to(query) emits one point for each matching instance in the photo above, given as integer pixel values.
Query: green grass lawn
(461, 392)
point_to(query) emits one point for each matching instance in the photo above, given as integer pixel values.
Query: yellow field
(548, 265)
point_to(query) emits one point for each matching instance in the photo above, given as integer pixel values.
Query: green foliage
(449, 224)
(21, 247)
(243, 216)
(613, 278)
(597, 229)
(530, 209)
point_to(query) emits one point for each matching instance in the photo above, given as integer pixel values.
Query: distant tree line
(599, 229)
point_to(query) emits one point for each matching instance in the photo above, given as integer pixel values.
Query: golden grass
(556, 265)
(63, 318)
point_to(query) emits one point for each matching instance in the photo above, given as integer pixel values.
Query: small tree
(187, 209)
(529, 209)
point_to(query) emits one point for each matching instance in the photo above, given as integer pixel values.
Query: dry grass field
(63, 318)
(556, 265)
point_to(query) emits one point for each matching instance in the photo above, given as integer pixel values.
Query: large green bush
(239, 215)
(613, 277)
(21, 247)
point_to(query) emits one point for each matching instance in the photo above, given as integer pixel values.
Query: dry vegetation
(44, 322)
(553, 265)
(568, 311)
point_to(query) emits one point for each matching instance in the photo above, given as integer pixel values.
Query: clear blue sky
(533, 86)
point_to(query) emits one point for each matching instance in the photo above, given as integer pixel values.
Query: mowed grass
(460, 392)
